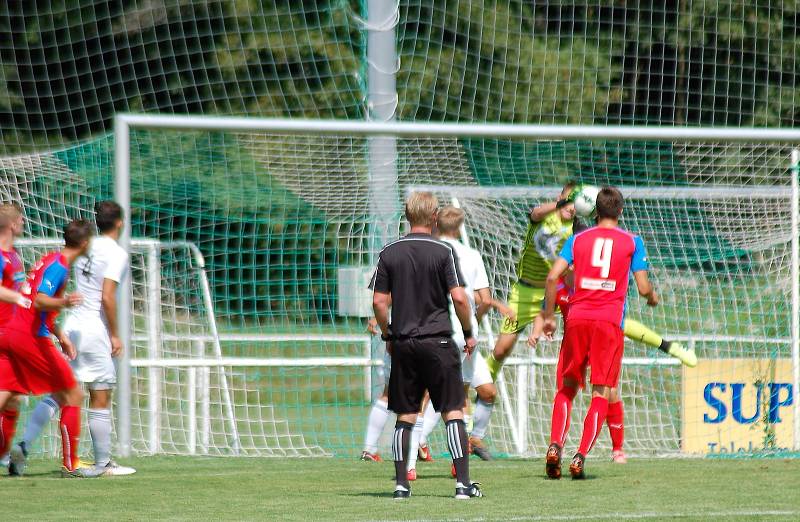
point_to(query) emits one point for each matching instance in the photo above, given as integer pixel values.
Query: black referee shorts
(432, 363)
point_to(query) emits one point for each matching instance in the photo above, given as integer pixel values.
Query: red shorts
(32, 365)
(8, 377)
(595, 343)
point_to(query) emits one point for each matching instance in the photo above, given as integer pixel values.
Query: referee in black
(416, 274)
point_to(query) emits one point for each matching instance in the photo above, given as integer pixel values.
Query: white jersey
(105, 260)
(472, 268)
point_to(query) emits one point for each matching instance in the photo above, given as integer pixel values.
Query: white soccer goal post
(719, 205)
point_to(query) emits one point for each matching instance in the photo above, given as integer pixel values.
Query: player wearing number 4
(632, 330)
(92, 329)
(603, 257)
(550, 225)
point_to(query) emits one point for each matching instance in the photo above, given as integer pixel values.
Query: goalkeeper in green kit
(550, 225)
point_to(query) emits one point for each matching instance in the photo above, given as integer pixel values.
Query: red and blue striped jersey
(603, 259)
(49, 276)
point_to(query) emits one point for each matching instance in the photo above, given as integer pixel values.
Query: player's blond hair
(450, 220)
(421, 209)
(9, 212)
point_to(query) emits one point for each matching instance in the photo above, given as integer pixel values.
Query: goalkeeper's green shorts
(526, 301)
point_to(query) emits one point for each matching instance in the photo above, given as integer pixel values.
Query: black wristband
(562, 203)
(387, 336)
(467, 334)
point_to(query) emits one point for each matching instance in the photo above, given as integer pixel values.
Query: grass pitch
(180, 488)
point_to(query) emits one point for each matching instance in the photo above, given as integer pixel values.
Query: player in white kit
(92, 328)
(474, 371)
(473, 368)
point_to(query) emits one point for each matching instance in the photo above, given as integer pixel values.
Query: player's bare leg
(559, 426)
(592, 425)
(502, 349)
(487, 393)
(5, 396)
(616, 426)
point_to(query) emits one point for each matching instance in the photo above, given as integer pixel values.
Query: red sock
(593, 424)
(562, 407)
(8, 426)
(616, 428)
(70, 426)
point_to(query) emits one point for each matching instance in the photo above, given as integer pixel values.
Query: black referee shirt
(419, 271)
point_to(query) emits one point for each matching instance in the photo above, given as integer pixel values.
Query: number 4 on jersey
(601, 255)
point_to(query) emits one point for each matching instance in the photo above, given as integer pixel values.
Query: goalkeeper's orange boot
(425, 453)
(576, 467)
(552, 462)
(411, 474)
(366, 456)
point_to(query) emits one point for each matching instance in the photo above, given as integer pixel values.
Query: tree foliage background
(66, 66)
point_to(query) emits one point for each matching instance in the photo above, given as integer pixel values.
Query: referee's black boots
(471, 491)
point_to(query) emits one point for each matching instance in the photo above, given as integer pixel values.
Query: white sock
(480, 421)
(100, 430)
(430, 420)
(41, 416)
(378, 416)
(413, 453)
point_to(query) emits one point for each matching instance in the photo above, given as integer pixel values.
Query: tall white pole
(382, 16)
(795, 311)
(122, 194)
(381, 107)
(154, 374)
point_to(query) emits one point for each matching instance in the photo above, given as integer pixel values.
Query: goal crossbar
(472, 130)
(630, 192)
(124, 123)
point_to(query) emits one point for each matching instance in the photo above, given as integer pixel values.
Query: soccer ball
(585, 200)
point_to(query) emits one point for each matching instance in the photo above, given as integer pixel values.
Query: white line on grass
(621, 516)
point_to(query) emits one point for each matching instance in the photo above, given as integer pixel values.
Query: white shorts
(474, 370)
(93, 365)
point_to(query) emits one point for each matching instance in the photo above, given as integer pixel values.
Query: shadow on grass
(40, 474)
(388, 495)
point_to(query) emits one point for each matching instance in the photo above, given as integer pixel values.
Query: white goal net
(248, 309)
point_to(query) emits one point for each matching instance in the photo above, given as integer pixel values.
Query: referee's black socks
(400, 447)
(458, 443)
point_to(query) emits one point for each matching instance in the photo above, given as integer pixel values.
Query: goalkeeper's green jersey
(543, 242)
